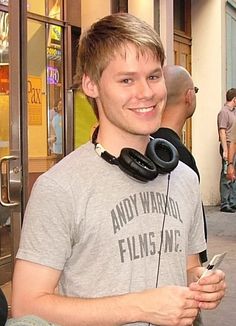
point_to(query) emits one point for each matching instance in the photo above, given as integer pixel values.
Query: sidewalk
(222, 237)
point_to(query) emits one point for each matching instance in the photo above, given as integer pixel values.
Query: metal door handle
(8, 202)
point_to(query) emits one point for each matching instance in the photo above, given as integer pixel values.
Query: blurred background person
(57, 123)
(225, 121)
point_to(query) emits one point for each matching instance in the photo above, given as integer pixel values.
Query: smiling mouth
(145, 109)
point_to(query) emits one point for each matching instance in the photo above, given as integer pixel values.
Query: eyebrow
(132, 73)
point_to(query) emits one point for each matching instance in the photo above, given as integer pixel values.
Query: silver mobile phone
(213, 264)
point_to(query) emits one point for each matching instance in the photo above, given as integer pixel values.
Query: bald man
(180, 105)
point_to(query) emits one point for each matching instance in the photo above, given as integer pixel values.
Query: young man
(99, 247)
(225, 120)
(180, 106)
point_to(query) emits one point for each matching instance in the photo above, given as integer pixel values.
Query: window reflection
(4, 84)
(54, 9)
(50, 8)
(4, 41)
(55, 91)
(5, 228)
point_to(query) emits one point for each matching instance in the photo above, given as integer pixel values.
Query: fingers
(172, 305)
(216, 277)
(209, 305)
(210, 290)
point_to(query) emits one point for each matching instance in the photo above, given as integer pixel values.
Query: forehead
(130, 57)
(129, 50)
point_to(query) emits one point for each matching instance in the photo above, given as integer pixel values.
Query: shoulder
(223, 117)
(186, 173)
(225, 111)
(69, 170)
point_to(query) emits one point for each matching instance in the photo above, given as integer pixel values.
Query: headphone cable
(162, 234)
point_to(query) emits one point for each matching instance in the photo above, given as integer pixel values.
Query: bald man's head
(178, 82)
(181, 97)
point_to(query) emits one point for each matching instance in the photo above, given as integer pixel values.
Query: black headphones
(160, 157)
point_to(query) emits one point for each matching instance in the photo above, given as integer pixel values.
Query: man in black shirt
(180, 105)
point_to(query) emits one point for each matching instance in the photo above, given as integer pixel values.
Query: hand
(169, 306)
(231, 173)
(225, 155)
(211, 290)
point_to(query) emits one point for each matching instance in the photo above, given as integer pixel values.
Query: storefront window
(45, 97)
(49, 8)
(5, 230)
(55, 90)
(4, 84)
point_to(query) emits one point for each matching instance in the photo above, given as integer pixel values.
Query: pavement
(221, 238)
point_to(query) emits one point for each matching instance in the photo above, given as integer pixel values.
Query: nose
(144, 90)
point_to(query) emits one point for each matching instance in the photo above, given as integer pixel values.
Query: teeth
(145, 109)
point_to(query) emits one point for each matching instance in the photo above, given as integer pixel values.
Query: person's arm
(34, 292)
(194, 268)
(231, 168)
(222, 135)
(211, 288)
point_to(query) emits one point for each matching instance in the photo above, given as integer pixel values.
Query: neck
(114, 140)
(173, 119)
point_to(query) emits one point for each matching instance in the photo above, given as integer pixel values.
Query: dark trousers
(227, 188)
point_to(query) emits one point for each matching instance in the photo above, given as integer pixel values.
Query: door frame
(17, 128)
(18, 88)
(182, 46)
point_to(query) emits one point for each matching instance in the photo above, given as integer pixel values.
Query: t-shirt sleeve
(196, 241)
(47, 227)
(222, 120)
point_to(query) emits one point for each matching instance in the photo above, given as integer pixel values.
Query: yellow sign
(34, 100)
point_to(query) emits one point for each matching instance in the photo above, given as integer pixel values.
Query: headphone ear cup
(163, 154)
(137, 165)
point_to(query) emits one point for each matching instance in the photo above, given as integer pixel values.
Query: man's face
(234, 102)
(131, 93)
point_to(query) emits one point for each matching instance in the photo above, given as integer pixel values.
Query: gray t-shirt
(102, 229)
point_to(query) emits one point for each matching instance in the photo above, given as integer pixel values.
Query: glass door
(45, 90)
(32, 111)
(10, 160)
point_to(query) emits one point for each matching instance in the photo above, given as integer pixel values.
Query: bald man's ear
(189, 96)
(89, 87)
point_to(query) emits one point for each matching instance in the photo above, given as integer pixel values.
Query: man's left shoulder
(185, 171)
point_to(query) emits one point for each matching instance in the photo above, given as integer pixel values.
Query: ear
(89, 86)
(190, 103)
(189, 97)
